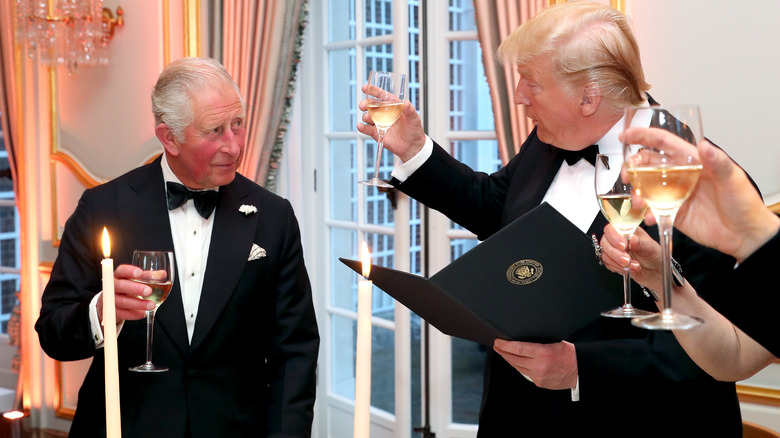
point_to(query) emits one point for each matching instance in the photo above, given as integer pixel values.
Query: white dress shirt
(191, 240)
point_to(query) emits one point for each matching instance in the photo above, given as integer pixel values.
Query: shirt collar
(168, 174)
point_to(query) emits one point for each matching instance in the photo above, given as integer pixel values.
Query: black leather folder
(537, 279)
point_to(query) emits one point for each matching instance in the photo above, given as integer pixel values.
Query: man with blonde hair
(579, 66)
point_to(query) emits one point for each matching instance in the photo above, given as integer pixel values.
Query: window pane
(343, 107)
(470, 106)
(343, 337)
(382, 254)
(343, 243)
(341, 11)
(462, 15)
(343, 180)
(378, 58)
(480, 155)
(378, 17)
(468, 364)
(7, 219)
(8, 253)
(383, 369)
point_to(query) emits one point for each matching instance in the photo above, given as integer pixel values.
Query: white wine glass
(385, 97)
(614, 196)
(664, 177)
(157, 273)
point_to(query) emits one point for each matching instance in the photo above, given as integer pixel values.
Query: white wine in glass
(614, 196)
(664, 177)
(157, 273)
(385, 97)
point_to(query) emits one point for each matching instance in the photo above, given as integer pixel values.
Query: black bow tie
(205, 200)
(589, 153)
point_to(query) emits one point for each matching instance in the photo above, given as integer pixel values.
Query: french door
(420, 378)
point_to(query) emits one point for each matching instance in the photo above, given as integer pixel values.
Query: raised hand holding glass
(664, 177)
(385, 94)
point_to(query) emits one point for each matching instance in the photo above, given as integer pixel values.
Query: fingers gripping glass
(614, 197)
(663, 177)
(157, 273)
(385, 97)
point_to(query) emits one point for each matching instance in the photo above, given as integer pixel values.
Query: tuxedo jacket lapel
(148, 227)
(231, 242)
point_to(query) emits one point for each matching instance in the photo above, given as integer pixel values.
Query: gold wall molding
(192, 31)
(759, 395)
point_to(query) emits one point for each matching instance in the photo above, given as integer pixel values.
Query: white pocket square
(256, 252)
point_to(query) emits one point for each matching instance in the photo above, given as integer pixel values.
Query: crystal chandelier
(74, 33)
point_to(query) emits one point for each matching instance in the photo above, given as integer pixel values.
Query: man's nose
(520, 96)
(233, 143)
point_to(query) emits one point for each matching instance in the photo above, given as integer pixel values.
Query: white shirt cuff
(404, 170)
(94, 323)
(575, 392)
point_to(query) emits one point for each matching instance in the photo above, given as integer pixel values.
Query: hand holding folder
(537, 280)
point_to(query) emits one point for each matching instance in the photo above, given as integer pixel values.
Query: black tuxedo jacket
(250, 368)
(633, 382)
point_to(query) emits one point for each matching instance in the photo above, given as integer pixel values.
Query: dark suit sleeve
(747, 295)
(63, 325)
(443, 179)
(295, 343)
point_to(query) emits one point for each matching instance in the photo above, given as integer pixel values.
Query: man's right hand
(126, 292)
(405, 138)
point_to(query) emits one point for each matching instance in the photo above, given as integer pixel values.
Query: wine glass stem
(149, 335)
(665, 223)
(379, 146)
(627, 276)
(626, 290)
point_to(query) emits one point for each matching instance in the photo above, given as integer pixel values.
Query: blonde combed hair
(589, 43)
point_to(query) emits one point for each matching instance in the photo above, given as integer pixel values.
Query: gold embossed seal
(524, 272)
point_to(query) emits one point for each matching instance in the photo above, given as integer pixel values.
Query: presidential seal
(524, 272)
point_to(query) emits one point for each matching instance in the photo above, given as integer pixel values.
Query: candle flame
(106, 244)
(365, 257)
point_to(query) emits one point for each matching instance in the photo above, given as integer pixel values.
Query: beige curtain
(261, 49)
(8, 92)
(496, 19)
(9, 122)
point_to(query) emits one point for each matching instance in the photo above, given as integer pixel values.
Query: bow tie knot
(205, 200)
(589, 154)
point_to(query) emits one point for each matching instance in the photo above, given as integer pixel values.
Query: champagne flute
(158, 274)
(614, 196)
(664, 177)
(386, 92)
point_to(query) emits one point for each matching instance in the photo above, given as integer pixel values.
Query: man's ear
(168, 140)
(591, 100)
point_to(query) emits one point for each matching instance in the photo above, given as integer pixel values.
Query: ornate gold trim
(81, 174)
(53, 139)
(192, 28)
(758, 395)
(166, 16)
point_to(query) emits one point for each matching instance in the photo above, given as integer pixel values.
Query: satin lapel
(148, 227)
(231, 242)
